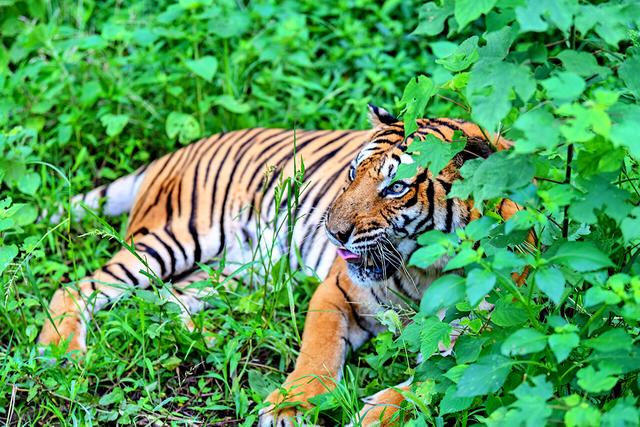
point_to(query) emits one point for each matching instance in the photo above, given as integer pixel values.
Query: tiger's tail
(118, 196)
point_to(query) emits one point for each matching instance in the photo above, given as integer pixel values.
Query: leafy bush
(91, 90)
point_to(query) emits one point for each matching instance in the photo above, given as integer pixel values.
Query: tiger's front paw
(288, 405)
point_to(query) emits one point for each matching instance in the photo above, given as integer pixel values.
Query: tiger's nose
(343, 236)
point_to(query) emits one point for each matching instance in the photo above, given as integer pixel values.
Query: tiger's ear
(380, 116)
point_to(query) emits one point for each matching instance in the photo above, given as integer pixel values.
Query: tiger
(356, 227)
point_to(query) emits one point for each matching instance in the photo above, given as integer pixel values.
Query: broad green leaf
(630, 226)
(564, 86)
(431, 153)
(581, 256)
(625, 413)
(582, 415)
(541, 131)
(469, 10)
(463, 57)
(463, 258)
(490, 86)
(482, 183)
(443, 292)
(625, 127)
(582, 63)
(451, 403)
(629, 71)
(231, 104)
(550, 281)
(28, 183)
(600, 195)
(536, 15)
(204, 67)
(184, 126)
(479, 283)
(414, 100)
(114, 396)
(432, 332)
(468, 348)
(523, 342)
(114, 123)
(425, 256)
(562, 344)
(7, 254)
(612, 340)
(431, 18)
(597, 381)
(485, 376)
(508, 313)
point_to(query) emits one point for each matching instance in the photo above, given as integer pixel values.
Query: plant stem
(567, 180)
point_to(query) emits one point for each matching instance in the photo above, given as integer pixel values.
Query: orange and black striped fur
(206, 198)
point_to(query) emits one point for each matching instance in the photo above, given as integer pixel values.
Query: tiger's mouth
(369, 265)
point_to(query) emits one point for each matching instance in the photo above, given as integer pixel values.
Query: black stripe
(169, 251)
(449, 220)
(108, 271)
(430, 198)
(154, 254)
(197, 251)
(167, 229)
(132, 279)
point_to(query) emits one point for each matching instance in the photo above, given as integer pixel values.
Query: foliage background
(91, 90)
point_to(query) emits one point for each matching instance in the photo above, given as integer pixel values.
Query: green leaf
(541, 131)
(629, 72)
(114, 396)
(612, 340)
(414, 100)
(562, 344)
(479, 284)
(485, 376)
(204, 67)
(7, 254)
(507, 313)
(431, 153)
(581, 256)
(482, 183)
(463, 57)
(582, 416)
(431, 18)
(550, 281)
(28, 183)
(425, 256)
(114, 123)
(582, 63)
(625, 413)
(523, 342)
(597, 381)
(564, 86)
(490, 86)
(231, 104)
(184, 126)
(468, 348)
(598, 295)
(451, 403)
(538, 14)
(432, 332)
(463, 258)
(469, 10)
(445, 291)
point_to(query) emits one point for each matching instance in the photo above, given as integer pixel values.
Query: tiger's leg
(382, 408)
(331, 327)
(71, 307)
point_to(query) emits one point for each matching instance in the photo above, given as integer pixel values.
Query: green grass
(68, 69)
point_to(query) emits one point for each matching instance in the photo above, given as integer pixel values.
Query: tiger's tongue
(348, 256)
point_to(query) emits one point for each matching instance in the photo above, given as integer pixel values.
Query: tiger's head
(375, 222)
